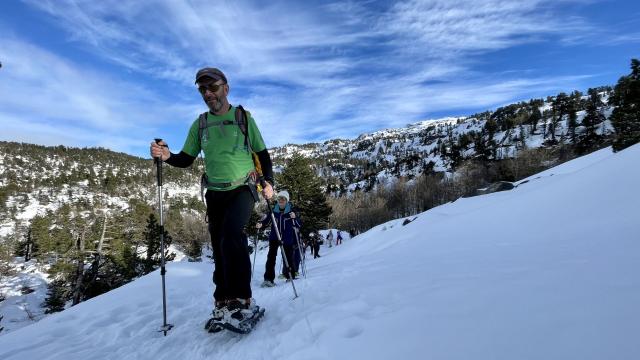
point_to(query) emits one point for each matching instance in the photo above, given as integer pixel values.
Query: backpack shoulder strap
(202, 125)
(241, 120)
(243, 124)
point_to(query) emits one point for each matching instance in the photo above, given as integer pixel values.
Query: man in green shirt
(229, 198)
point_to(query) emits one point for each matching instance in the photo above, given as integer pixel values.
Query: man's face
(214, 93)
(282, 202)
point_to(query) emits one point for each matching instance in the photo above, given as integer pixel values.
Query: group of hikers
(237, 167)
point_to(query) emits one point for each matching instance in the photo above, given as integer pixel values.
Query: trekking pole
(282, 252)
(255, 252)
(301, 252)
(165, 327)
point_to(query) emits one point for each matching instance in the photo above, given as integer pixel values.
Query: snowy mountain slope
(439, 144)
(35, 179)
(25, 290)
(547, 270)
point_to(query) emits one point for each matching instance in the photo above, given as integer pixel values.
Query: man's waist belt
(222, 185)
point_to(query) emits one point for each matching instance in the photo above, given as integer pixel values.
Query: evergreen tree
(27, 247)
(626, 116)
(491, 127)
(305, 189)
(57, 295)
(534, 118)
(481, 146)
(559, 108)
(152, 242)
(572, 123)
(593, 116)
(41, 235)
(194, 250)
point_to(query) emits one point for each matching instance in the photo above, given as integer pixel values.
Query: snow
(573, 166)
(21, 309)
(547, 270)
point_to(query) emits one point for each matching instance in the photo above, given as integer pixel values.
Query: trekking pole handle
(158, 162)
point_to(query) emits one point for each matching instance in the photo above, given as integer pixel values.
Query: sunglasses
(211, 87)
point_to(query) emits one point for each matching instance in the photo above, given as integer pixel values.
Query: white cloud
(314, 71)
(449, 28)
(50, 99)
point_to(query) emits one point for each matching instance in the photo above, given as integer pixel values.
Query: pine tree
(534, 118)
(626, 116)
(27, 247)
(152, 242)
(589, 140)
(41, 236)
(572, 123)
(194, 250)
(559, 109)
(305, 189)
(593, 115)
(57, 295)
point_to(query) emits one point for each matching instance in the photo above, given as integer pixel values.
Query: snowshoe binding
(241, 316)
(213, 325)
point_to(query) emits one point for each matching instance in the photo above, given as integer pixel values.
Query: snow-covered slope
(548, 270)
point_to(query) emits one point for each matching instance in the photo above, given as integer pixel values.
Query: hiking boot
(241, 315)
(238, 303)
(239, 310)
(218, 311)
(268, 283)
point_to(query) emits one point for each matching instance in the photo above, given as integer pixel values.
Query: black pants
(270, 266)
(289, 252)
(229, 213)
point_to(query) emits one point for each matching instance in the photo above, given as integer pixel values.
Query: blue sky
(118, 73)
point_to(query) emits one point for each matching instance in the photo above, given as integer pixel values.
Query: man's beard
(217, 104)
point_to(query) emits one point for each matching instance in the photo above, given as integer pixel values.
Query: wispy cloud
(311, 71)
(624, 39)
(45, 95)
(448, 28)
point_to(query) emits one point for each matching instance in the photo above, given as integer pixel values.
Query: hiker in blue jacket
(287, 221)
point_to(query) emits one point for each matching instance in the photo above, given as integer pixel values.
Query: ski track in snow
(545, 271)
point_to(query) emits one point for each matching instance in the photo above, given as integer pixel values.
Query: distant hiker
(330, 238)
(227, 145)
(339, 238)
(287, 221)
(315, 244)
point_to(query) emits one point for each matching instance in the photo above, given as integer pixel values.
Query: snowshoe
(241, 316)
(268, 283)
(213, 325)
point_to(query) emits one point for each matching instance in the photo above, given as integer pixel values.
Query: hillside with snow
(547, 270)
(35, 179)
(442, 145)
